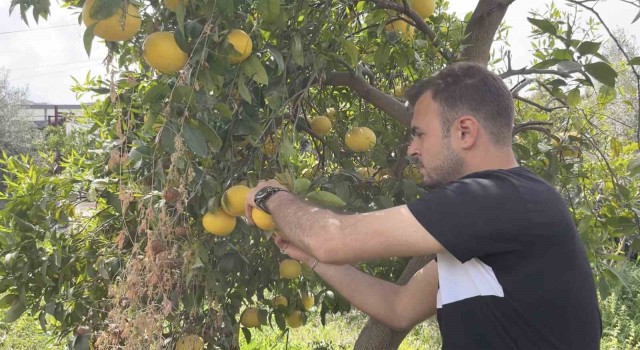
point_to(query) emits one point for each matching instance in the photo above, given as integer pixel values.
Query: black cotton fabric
(515, 274)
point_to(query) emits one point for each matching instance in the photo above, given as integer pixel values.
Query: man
(511, 271)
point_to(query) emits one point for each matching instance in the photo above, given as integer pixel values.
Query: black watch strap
(264, 194)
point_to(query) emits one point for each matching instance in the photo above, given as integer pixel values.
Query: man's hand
(293, 251)
(250, 204)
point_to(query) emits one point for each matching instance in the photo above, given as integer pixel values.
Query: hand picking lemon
(263, 220)
(233, 200)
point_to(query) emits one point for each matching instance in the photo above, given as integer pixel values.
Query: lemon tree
(206, 98)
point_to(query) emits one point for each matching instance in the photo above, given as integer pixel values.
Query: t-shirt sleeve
(474, 217)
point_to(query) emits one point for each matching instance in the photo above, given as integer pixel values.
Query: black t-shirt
(515, 274)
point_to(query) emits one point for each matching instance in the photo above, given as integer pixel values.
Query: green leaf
(247, 334)
(253, 68)
(546, 64)
(214, 140)
(563, 54)
(573, 98)
(326, 198)
(544, 25)
(602, 72)
(269, 10)
(16, 310)
(8, 300)
(103, 9)
(588, 47)
(87, 38)
(223, 109)
(381, 57)
(156, 93)
(351, 49)
(226, 7)
(606, 95)
(180, 12)
(244, 92)
(635, 61)
(194, 138)
(296, 49)
(277, 56)
(616, 147)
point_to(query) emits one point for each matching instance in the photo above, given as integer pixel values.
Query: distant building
(45, 114)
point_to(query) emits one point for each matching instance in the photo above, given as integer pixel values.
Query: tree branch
(537, 105)
(626, 56)
(527, 71)
(481, 30)
(396, 109)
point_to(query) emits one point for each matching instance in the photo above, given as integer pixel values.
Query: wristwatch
(265, 193)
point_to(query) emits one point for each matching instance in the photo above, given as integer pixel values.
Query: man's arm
(398, 307)
(341, 239)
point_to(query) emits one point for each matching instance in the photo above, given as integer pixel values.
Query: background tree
(190, 113)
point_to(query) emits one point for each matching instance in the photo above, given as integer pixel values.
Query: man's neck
(490, 161)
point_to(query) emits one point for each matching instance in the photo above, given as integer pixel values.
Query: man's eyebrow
(414, 130)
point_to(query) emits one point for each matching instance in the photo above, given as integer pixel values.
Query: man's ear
(467, 130)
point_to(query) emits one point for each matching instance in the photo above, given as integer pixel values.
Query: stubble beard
(449, 169)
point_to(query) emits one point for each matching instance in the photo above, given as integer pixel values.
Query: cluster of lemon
(402, 28)
(160, 49)
(358, 139)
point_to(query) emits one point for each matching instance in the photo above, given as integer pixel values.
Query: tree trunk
(480, 31)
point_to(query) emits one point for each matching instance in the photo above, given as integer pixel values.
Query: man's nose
(412, 150)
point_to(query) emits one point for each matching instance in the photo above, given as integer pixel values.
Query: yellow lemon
(280, 300)
(218, 223)
(424, 8)
(242, 43)
(249, 317)
(402, 28)
(321, 125)
(413, 173)
(295, 319)
(290, 268)
(111, 28)
(190, 342)
(308, 300)
(161, 52)
(360, 139)
(263, 220)
(233, 200)
(172, 5)
(269, 147)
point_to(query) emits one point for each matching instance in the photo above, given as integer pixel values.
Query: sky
(43, 57)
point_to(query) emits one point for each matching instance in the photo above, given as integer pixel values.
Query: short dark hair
(469, 88)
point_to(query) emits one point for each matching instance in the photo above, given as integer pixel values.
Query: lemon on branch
(280, 300)
(360, 139)
(112, 28)
(295, 319)
(161, 52)
(218, 223)
(308, 300)
(321, 125)
(401, 28)
(290, 268)
(241, 42)
(190, 342)
(249, 317)
(172, 5)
